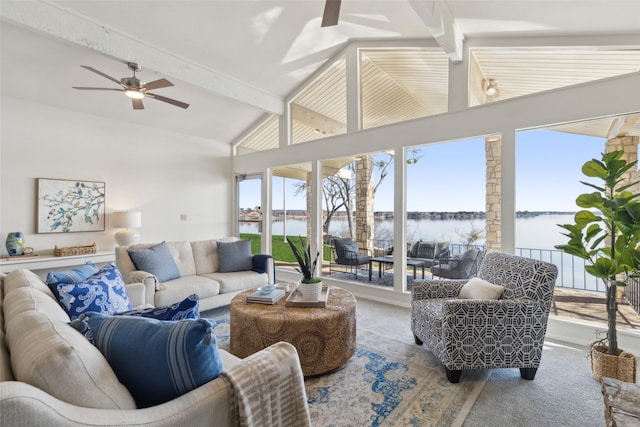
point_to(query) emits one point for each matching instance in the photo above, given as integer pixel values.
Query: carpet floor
(390, 381)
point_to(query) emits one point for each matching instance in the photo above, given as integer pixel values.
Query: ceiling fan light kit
(136, 89)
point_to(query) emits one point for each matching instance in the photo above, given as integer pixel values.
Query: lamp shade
(127, 219)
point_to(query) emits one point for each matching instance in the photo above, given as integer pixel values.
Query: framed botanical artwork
(68, 206)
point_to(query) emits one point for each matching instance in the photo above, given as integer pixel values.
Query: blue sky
(451, 176)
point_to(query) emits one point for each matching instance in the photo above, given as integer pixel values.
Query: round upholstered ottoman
(324, 337)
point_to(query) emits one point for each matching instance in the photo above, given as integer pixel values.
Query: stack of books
(271, 298)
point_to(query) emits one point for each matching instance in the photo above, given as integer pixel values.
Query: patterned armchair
(485, 333)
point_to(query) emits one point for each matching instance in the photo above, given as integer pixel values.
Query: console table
(50, 262)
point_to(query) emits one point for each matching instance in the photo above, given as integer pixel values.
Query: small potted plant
(606, 234)
(310, 285)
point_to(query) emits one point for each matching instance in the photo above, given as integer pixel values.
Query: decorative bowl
(266, 289)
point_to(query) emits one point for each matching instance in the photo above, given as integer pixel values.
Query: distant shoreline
(277, 214)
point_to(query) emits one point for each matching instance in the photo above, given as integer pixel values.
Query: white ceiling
(232, 61)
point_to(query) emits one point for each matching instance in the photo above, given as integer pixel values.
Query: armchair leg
(418, 340)
(528, 373)
(453, 375)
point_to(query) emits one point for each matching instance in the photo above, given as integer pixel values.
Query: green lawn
(279, 248)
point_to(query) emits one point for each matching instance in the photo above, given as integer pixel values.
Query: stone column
(628, 144)
(364, 202)
(492, 148)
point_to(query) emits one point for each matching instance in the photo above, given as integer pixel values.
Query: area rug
(386, 383)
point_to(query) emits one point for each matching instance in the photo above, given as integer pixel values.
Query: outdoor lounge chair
(346, 252)
(462, 267)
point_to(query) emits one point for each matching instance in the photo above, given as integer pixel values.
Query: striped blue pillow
(156, 360)
(70, 277)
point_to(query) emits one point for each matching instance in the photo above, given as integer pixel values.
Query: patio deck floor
(583, 305)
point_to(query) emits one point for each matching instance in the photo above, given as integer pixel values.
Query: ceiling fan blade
(97, 88)
(331, 13)
(157, 84)
(168, 100)
(137, 104)
(101, 73)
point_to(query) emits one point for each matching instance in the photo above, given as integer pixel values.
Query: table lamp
(127, 222)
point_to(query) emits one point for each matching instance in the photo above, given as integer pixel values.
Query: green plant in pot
(610, 243)
(310, 285)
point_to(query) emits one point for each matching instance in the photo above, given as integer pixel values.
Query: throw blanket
(270, 390)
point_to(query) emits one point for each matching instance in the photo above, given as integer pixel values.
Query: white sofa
(199, 266)
(51, 375)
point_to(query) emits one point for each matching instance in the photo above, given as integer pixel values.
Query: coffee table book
(271, 298)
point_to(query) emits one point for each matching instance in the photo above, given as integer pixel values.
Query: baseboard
(584, 333)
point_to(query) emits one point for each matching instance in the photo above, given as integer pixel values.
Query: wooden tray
(295, 299)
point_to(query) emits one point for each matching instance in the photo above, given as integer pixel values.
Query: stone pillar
(364, 202)
(628, 144)
(492, 148)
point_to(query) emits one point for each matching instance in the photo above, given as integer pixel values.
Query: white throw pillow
(477, 288)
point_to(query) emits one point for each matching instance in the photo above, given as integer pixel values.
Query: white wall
(159, 173)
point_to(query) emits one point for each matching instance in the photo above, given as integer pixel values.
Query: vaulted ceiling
(235, 62)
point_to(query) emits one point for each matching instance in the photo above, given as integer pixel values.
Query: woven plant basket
(621, 367)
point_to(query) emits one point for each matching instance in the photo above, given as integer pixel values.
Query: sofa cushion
(57, 359)
(238, 280)
(188, 308)
(104, 292)
(6, 374)
(29, 299)
(156, 260)
(205, 255)
(170, 358)
(183, 256)
(25, 278)
(179, 289)
(235, 256)
(477, 288)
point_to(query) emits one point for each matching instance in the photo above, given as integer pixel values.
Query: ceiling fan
(136, 89)
(331, 13)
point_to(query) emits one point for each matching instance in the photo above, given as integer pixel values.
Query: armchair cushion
(426, 250)
(156, 260)
(477, 288)
(235, 256)
(170, 358)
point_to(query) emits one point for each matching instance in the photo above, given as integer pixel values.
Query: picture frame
(70, 206)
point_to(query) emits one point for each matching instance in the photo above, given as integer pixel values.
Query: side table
(324, 337)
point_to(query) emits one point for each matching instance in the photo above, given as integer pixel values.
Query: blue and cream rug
(386, 383)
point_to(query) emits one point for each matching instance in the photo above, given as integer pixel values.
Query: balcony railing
(571, 270)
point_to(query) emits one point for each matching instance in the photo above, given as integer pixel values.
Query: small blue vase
(15, 243)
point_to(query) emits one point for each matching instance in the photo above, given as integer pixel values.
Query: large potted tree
(606, 234)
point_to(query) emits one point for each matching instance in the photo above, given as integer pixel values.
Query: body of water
(537, 232)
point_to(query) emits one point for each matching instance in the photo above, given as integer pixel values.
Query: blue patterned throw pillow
(188, 308)
(70, 277)
(104, 292)
(155, 360)
(156, 260)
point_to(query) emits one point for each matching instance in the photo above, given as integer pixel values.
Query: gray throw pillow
(235, 256)
(426, 250)
(156, 260)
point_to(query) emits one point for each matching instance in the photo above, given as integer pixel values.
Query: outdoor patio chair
(345, 252)
(462, 267)
(467, 328)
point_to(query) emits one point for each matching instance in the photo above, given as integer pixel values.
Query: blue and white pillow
(155, 360)
(70, 277)
(188, 308)
(156, 260)
(103, 292)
